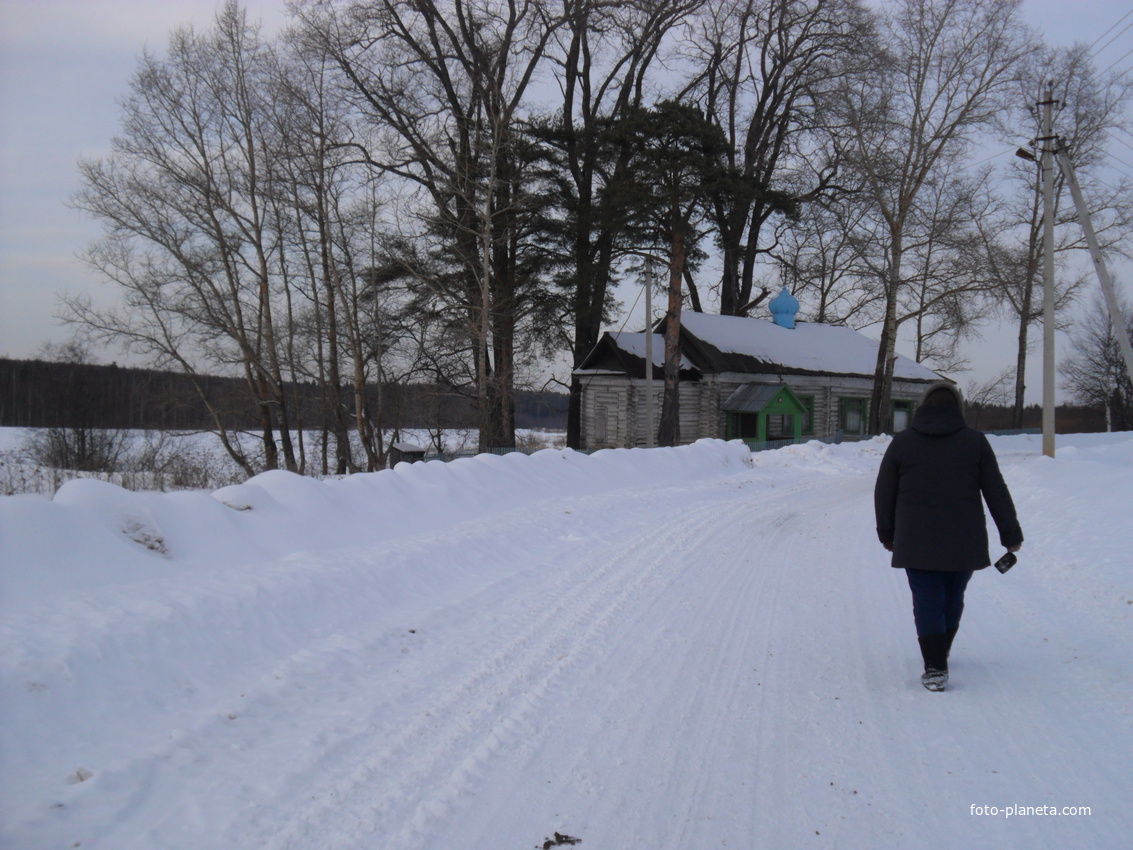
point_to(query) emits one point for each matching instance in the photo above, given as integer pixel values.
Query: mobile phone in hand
(1006, 562)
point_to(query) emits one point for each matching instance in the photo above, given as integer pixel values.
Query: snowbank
(93, 533)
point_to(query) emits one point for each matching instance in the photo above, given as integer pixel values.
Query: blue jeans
(938, 599)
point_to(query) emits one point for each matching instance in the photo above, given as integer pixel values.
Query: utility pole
(1115, 314)
(1048, 142)
(650, 430)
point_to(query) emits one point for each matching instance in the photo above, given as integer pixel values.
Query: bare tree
(1094, 371)
(766, 73)
(993, 392)
(945, 279)
(314, 177)
(943, 70)
(185, 201)
(443, 86)
(823, 258)
(1089, 109)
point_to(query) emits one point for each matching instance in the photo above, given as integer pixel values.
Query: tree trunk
(485, 384)
(669, 433)
(271, 451)
(1034, 253)
(503, 342)
(1021, 363)
(730, 280)
(887, 347)
(343, 460)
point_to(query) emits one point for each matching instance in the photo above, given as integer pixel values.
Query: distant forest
(1069, 418)
(42, 394)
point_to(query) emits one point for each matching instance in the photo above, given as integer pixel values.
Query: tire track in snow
(661, 753)
(741, 598)
(328, 723)
(497, 697)
(812, 673)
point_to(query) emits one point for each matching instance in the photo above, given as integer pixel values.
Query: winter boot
(934, 649)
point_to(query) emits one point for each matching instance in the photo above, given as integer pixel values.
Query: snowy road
(724, 661)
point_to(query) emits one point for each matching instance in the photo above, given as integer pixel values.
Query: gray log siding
(641, 416)
(620, 401)
(716, 365)
(606, 397)
(827, 391)
(710, 424)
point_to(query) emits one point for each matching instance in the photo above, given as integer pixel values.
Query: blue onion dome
(784, 308)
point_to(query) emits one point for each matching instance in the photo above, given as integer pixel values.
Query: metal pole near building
(1048, 142)
(650, 432)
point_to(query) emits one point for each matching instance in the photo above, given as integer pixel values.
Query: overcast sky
(64, 64)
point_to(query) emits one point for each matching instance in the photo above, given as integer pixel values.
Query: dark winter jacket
(928, 495)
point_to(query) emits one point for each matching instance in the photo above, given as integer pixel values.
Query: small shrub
(78, 449)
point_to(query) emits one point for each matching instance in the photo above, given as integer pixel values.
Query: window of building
(808, 415)
(852, 416)
(743, 426)
(780, 426)
(902, 416)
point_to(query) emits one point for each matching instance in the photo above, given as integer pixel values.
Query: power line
(1123, 162)
(1107, 70)
(1107, 32)
(989, 158)
(1103, 182)
(1119, 140)
(1116, 166)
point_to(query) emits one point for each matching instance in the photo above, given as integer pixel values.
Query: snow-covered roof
(634, 343)
(403, 446)
(807, 348)
(619, 353)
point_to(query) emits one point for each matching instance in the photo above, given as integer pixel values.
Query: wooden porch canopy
(761, 412)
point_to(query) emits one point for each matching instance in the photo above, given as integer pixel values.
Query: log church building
(753, 379)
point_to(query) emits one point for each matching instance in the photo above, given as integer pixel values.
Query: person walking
(928, 501)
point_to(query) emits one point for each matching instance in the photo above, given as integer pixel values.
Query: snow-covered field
(674, 648)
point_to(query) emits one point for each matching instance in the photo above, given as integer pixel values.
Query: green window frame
(901, 414)
(853, 415)
(807, 402)
(743, 426)
(780, 426)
